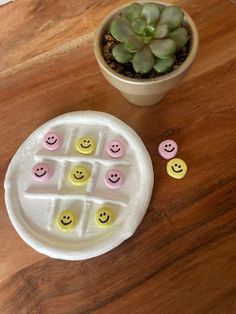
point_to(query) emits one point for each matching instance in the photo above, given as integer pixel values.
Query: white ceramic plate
(34, 207)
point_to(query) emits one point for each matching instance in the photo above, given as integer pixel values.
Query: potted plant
(145, 48)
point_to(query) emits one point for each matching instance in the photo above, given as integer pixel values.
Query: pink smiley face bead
(52, 141)
(168, 149)
(113, 179)
(115, 149)
(41, 172)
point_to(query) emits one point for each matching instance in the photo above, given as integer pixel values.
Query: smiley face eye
(116, 175)
(41, 168)
(52, 137)
(64, 217)
(37, 169)
(100, 215)
(176, 165)
(104, 214)
(68, 217)
(112, 145)
(169, 145)
(179, 166)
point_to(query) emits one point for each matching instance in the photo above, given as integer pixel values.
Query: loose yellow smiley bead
(79, 175)
(66, 220)
(176, 168)
(85, 145)
(104, 217)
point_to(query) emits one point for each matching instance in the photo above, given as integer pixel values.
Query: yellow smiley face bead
(66, 220)
(79, 175)
(85, 145)
(176, 168)
(104, 217)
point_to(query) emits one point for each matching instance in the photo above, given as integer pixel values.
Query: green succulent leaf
(151, 12)
(121, 54)
(132, 12)
(180, 37)
(163, 65)
(147, 39)
(163, 48)
(172, 16)
(134, 43)
(121, 29)
(143, 61)
(150, 29)
(139, 25)
(161, 7)
(147, 33)
(161, 31)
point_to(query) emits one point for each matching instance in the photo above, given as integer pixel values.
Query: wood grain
(182, 259)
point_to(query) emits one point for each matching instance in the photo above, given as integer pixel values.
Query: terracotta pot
(144, 92)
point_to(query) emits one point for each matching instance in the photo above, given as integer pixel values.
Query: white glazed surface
(5, 1)
(33, 206)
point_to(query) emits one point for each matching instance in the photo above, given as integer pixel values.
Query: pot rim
(145, 81)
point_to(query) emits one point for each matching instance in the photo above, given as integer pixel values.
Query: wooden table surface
(182, 258)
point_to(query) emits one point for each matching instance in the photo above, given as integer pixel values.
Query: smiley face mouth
(113, 181)
(66, 223)
(78, 178)
(104, 221)
(169, 151)
(115, 151)
(85, 146)
(51, 143)
(40, 175)
(177, 171)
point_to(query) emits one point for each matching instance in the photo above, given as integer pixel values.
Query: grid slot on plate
(101, 141)
(64, 170)
(74, 196)
(52, 213)
(107, 162)
(84, 219)
(72, 138)
(93, 178)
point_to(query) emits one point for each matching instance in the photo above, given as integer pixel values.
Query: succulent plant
(148, 36)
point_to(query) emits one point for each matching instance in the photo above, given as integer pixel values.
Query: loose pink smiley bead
(115, 149)
(113, 179)
(41, 172)
(52, 141)
(168, 149)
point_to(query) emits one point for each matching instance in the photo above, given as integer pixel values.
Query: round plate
(84, 194)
